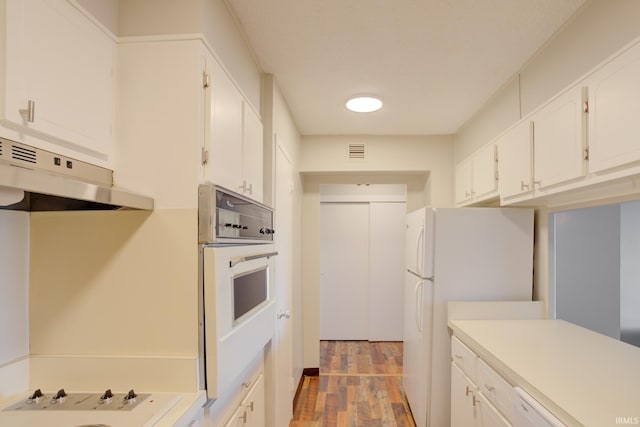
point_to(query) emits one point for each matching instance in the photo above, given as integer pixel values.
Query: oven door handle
(238, 260)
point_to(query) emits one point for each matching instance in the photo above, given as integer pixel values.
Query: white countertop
(583, 377)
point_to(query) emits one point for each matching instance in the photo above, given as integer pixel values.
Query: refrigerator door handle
(420, 252)
(418, 305)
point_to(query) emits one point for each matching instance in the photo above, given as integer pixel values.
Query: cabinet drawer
(496, 389)
(464, 358)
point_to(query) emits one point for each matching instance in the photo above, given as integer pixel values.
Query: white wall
(14, 286)
(427, 155)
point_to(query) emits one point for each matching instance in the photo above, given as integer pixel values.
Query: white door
(344, 271)
(283, 348)
(386, 263)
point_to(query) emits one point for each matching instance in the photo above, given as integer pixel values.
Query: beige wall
(114, 283)
(599, 30)
(432, 155)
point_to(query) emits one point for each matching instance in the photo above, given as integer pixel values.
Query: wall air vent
(1, 148)
(356, 152)
(23, 154)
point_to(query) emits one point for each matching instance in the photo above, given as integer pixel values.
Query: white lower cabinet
(480, 397)
(463, 399)
(252, 409)
(488, 415)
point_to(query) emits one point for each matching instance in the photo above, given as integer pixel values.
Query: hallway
(360, 384)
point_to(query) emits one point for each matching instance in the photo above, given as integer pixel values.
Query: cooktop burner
(61, 401)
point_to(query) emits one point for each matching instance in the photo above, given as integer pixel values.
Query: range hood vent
(32, 179)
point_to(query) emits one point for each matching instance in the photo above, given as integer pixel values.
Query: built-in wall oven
(237, 284)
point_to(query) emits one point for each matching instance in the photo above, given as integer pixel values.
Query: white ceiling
(434, 63)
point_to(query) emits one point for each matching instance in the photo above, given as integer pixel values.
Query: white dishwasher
(530, 413)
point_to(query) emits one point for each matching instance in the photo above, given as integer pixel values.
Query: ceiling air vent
(23, 154)
(356, 152)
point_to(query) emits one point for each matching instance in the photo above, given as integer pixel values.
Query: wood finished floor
(360, 384)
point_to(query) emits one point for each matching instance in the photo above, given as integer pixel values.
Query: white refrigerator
(462, 254)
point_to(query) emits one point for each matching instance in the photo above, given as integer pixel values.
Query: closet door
(344, 271)
(386, 271)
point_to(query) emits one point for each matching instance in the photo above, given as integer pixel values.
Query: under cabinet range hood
(35, 180)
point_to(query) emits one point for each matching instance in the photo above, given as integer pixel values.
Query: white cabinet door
(484, 179)
(255, 404)
(614, 129)
(559, 141)
(464, 177)
(463, 406)
(225, 130)
(238, 418)
(252, 152)
(515, 161)
(61, 63)
(488, 415)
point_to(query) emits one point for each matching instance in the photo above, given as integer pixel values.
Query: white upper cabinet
(57, 85)
(225, 129)
(464, 181)
(559, 141)
(252, 153)
(234, 137)
(485, 182)
(614, 110)
(476, 176)
(515, 164)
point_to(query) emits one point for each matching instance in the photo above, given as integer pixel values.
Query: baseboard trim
(311, 372)
(306, 372)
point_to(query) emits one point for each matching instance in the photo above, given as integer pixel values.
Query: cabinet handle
(538, 183)
(245, 188)
(467, 391)
(467, 194)
(250, 406)
(243, 417)
(30, 111)
(490, 388)
(457, 356)
(474, 400)
(523, 186)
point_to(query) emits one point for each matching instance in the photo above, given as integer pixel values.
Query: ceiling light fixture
(364, 104)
